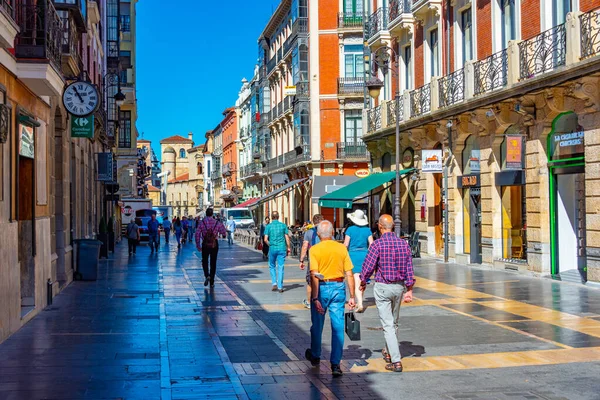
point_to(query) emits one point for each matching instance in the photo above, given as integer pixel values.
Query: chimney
(191, 137)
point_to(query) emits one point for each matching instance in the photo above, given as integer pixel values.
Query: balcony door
(353, 7)
(560, 8)
(353, 127)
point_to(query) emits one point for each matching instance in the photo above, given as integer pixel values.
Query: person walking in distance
(192, 227)
(153, 233)
(265, 247)
(310, 239)
(133, 236)
(329, 264)
(185, 225)
(167, 229)
(390, 259)
(207, 242)
(277, 237)
(230, 229)
(358, 239)
(178, 228)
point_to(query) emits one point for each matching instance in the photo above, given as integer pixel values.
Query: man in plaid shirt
(216, 228)
(390, 258)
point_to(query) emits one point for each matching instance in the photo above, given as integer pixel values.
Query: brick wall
(330, 127)
(328, 20)
(530, 18)
(329, 65)
(419, 49)
(484, 28)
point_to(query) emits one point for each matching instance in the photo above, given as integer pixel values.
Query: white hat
(359, 218)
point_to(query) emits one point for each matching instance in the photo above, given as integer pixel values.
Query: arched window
(182, 153)
(471, 156)
(199, 168)
(386, 162)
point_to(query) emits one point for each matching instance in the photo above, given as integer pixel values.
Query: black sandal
(394, 367)
(386, 356)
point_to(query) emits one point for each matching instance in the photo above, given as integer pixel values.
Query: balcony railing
(125, 23)
(289, 43)
(394, 106)
(302, 89)
(351, 150)
(452, 88)
(543, 52)
(228, 169)
(398, 7)
(215, 175)
(420, 101)
(70, 42)
(288, 103)
(9, 7)
(374, 119)
(40, 32)
(350, 20)
(300, 26)
(271, 64)
(376, 22)
(590, 33)
(491, 73)
(351, 86)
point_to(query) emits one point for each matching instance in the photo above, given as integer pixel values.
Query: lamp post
(381, 60)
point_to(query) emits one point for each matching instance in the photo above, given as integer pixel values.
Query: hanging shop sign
(106, 167)
(408, 157)
(362, 173)
(289, 91)
(26, 141)
(514, 151)
(432, 161)
(82, 127)
(567, 145)
(469, 181)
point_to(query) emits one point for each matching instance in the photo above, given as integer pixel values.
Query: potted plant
(111, 235)
(103, 237)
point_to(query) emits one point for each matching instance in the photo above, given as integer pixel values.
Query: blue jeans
(167, 234)
(230, 237)
(153, 241)
(276, 261)
(332, 296)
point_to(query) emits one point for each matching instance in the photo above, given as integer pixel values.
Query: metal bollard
(49, 292)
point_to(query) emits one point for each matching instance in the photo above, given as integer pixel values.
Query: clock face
(81, 98)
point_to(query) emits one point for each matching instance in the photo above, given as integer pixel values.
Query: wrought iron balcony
(398, 7)
(40, 32)
(302, 90)
(452, 88)
(229, 169)
(70, 44)
(271, 64)
(288, 104)
(543, 52)
(78, 8)
(590, 33)
(393, 107)
(348, 20)
(491, 73)
(215, 175)
(420, 101)
(352, 151)
(376, 23)
(289, 43)
(374, 119)
(9, 7)
(299, 27)
(351, 86)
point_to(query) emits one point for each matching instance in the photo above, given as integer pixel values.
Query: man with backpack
(133, 236)
(207, 242)
(310, 239)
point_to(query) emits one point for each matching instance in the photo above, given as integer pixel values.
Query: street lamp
(119, 98)
(381, 60)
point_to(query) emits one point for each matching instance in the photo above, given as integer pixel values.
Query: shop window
(513, 222)
(471, 156)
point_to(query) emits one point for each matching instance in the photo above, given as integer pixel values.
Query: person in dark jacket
(265, 248)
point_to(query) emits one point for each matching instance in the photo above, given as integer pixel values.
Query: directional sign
(82, 127)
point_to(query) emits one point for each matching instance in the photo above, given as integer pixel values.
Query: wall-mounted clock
(81, 98)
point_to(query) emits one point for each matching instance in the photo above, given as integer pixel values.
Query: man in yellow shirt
(329, 263)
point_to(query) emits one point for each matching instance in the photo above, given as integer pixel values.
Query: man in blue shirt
(277, 237)
(167, 228)
(153, 233)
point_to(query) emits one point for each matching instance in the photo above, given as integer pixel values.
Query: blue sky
(192, 56)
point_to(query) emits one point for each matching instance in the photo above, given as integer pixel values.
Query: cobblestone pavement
(149, 329)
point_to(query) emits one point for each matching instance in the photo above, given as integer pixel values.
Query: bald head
(386, 223)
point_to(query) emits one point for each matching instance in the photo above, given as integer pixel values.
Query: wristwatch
(315, 299)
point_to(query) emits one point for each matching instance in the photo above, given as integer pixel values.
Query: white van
(242, 217)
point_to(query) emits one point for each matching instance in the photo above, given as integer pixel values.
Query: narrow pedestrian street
(149, 329)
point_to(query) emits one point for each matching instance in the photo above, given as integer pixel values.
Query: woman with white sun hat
(358, 239)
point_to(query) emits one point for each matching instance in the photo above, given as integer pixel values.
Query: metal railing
(394, 106)
(374, 119)
(288, 103)
(215, 175)
(398, 7)
(302, 89)
(543, 52)
(228, 169)
(420, 101)
(491, 73)
(40, 32)
(299, 26)
(70, 41)
(9, 7)
(376, 22)
(590, 33)
(289, 43)
(351, 86)
(452, 88)
(351, 150)
(350, 20)
(271, 64)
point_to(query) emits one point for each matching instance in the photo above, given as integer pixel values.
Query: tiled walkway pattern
(149, 329)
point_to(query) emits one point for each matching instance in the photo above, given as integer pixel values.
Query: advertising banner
(514, 152)
(26, 141)
(432, 161)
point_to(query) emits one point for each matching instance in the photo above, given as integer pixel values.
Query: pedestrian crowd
(337, 272)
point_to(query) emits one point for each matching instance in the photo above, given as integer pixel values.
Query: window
(125, 129)
(208, 167)
(407, 59)
(560, 10)
(353, 6)
(199, 168)
(123, 77)
(125, 56)
(125, 21)
(435, 56)
(353, 55)
(471, 156)
(302, 128)
(509, 29)
(467, 35)
(182, 153)
(353, 126)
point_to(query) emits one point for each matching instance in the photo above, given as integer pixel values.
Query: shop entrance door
(475, 219)
(570, 222)
(437, 219)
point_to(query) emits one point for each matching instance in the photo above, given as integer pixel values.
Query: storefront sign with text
(514, 151)
(468, 181)
(432, 161)
(567, 145)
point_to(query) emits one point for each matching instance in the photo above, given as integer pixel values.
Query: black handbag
(352, 326)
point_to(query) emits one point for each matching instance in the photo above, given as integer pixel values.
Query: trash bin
(88, 256)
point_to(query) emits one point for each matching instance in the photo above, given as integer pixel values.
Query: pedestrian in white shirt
(230, 229)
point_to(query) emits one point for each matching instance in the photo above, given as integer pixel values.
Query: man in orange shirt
(329, 263)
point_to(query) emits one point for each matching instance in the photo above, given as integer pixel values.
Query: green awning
(344, 197)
